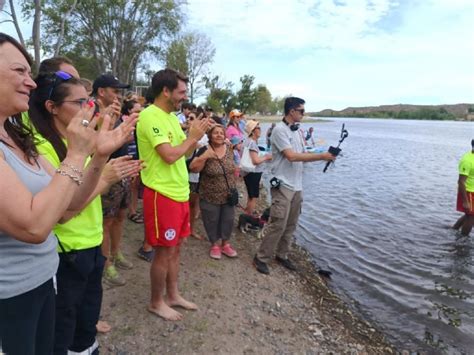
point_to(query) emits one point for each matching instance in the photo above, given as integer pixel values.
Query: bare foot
(165, 312)
(181, 302)
(103, 327)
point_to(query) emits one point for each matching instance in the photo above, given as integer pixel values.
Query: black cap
(108, 81)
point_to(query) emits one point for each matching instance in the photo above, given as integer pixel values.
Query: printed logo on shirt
(156, 130)
(170, 234)
(170, 136)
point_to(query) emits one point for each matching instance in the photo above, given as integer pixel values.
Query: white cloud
(362, 53)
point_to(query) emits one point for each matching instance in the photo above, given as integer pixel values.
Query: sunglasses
(300, 110)
(62, 75)
(81, 102)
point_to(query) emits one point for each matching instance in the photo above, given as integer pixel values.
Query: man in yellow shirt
(465, 201)
(163, 146)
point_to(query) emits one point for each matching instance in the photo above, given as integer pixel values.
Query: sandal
(136, 217)
(146, 255)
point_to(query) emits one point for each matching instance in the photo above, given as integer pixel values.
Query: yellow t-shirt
(83, 231)
(156, 127)
(466, 168)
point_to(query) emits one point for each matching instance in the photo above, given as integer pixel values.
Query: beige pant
(278, 233)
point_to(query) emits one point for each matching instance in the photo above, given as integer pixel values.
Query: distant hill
(430, 112)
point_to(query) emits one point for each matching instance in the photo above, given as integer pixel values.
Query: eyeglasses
(61, 75)
(300, 110)
(80, 102)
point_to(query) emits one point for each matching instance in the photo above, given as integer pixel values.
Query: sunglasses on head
(59, 75)
(300, 110)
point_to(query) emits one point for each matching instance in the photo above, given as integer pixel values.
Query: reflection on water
(379, 220)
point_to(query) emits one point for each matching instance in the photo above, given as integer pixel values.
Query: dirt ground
(240, 310)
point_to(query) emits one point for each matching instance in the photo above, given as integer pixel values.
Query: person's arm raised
(30, 218)
(293, 156)
(171, 154)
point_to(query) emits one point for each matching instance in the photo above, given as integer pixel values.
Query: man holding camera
(289, 154)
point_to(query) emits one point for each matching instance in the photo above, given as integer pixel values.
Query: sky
(337, 53)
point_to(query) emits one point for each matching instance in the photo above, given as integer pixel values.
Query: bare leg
(173, 297)
(132, 209)
(159, 270)
(459, 223)
(116, 232)
(193, 211)
(467, 226)
(251, 203)
(107, 224)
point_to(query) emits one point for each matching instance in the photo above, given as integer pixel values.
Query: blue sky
(337, 53)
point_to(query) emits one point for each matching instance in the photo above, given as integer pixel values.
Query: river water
(379, 221)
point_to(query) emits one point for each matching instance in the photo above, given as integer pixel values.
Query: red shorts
(166, 221)
(470, 198)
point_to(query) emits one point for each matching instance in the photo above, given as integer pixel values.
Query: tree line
(123, 37)
(436, 114)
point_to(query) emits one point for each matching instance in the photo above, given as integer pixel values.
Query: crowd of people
(76, 154)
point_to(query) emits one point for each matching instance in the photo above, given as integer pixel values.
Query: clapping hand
(109, 140)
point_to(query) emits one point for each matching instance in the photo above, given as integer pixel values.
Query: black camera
(275, 183)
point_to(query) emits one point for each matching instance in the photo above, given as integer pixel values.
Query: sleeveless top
(25, 266)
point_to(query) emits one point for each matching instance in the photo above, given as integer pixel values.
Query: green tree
(246, 96)
(220, 97)
(263, 99)
(191, 54)
(113, 34)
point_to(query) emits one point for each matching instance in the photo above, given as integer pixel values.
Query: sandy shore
(240, 310)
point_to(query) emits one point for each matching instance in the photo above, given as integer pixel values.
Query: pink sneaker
(227, 250)
(215, 252)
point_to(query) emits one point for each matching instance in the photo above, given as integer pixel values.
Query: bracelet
(73, 168)
(74, 178)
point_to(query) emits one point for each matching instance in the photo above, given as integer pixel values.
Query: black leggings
(252, 182)
(27, 321)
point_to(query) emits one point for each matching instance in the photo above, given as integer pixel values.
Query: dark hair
(187, 106)
(149, 99)
(291, 103)
(127, 106)
(41, 119)
(472, 144)
(20, 133)
(168, 78)
(52, 65)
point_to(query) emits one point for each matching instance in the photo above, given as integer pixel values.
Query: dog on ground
(252, 223)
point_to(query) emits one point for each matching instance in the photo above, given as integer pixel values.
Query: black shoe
(286, 263)
(260, 266)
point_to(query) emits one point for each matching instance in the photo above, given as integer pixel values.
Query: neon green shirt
(466, 168)
(83, 231)
(156, 127)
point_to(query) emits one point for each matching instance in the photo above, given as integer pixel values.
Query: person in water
(465, 200)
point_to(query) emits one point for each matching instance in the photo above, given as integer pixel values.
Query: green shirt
(156, 127)
(83, 231)
(466, 168)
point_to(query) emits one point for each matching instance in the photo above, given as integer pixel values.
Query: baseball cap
(108, 81)
(235, 113)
